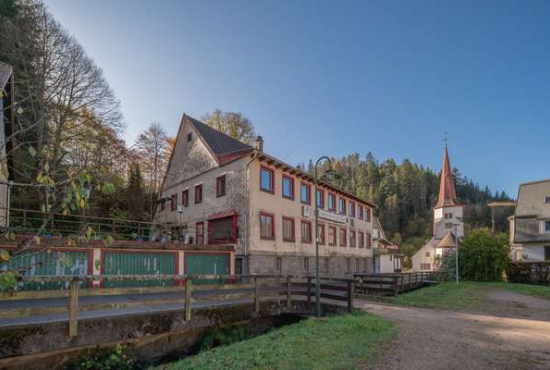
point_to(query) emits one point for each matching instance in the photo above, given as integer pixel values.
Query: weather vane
(445, 139)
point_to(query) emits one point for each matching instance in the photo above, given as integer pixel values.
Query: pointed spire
(447, 194)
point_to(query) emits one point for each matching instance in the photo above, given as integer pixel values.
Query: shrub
(112, 360)
(482, 256)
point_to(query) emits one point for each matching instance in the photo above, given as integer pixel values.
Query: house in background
(530, 224)
(387, 256)
(448, 223)
(7, 115)
(218, 190)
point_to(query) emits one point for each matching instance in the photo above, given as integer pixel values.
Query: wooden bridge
(393, 284)
(81, 318)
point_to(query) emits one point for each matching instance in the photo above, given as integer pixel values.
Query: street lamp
(180, 211)
(456, 248)
(326, 174)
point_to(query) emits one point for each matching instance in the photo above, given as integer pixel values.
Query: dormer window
(189, 137)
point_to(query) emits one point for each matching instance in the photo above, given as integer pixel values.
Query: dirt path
(512, 333)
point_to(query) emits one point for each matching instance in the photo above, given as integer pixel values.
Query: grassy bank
(463, 296)
(341, 342)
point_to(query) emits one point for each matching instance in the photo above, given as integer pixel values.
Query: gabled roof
(448, 241)
(219, 143)
(447, 194)
(5, 74)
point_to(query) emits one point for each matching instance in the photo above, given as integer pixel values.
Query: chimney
(259, 143)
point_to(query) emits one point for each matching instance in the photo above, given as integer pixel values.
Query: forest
(71, 157)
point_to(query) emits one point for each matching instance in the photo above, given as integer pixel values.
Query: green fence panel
(206, 264)
(66, 263)
(139, 263)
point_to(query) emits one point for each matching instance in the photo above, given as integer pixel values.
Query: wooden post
(113, 226)
(402, 283)
(288, 301)
(73, 309)
(361, 287)
(188, 299)
(257, 294)
(395, 286)
(309, 291)
(350, 296)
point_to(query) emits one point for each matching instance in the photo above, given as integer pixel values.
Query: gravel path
(511, 333)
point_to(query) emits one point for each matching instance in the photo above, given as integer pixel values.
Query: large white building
(530, 224)
(219, 190)
(448, 224)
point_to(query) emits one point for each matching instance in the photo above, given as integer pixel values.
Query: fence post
(256, 296)
(309, 291)
(188, 299)
(73, 309)
(361, 287)
(288, 301)
(395, 286)
(350, 296)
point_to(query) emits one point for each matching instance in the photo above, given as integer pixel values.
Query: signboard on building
(331, 216)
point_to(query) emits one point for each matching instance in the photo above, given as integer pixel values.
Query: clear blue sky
(335, 77)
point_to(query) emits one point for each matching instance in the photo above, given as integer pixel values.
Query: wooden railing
(228, 291)
(393, 284)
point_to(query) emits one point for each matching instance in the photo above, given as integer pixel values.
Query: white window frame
(543, 229)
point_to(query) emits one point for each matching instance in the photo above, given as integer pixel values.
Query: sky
(339, 77)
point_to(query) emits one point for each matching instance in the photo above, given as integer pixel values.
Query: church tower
(447, 212)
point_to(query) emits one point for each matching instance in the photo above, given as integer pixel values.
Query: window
(343, 237)
(185, 198)
(546, 226)
(351, 209)
(360, 212)
(427, 254)
(189, 137)
(288, 187)
(198, 194)
(267, 226)
(162, 205)
(288, 229)
(424, 266)
(306, 231)
(352, 239)
(322, 234)
(331, 202)
(279, 264)
(448, 216)
(348, 265)
(332, 236)
(267, 178)
(547, 199)
(306, 264)
(369, 240)
(220, 186)
(200, 233)
(357, 265)
(305, 193)
(367, 214)
(320, 198)
(342, 206)
(327, 265)
(223, 230)
(174, 202)
(448, 225)
(547, 253)
(361, 239)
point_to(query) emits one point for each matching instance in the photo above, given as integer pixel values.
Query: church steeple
(447, 194)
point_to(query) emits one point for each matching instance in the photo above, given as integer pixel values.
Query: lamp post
(180, 211)
(456, 249)
(317, 280)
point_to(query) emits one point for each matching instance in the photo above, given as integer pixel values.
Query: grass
(533, 290)
(447, 296)
(340, 342)
(466, 296)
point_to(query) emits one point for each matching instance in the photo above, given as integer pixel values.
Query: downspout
(247, 216)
